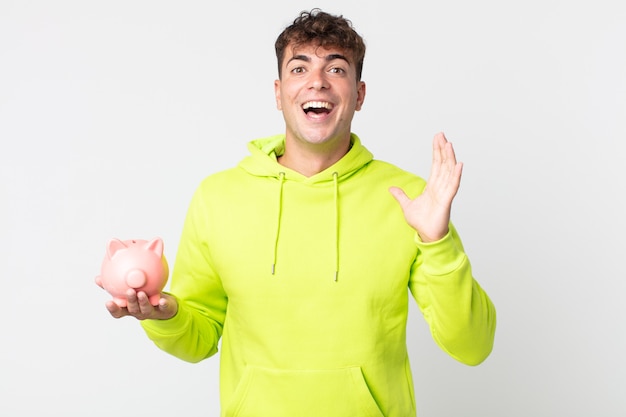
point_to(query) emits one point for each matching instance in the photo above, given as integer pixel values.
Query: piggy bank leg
(154, 299)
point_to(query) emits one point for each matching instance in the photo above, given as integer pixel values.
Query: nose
(318, 80)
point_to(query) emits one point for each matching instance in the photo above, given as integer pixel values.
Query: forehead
(312, 51)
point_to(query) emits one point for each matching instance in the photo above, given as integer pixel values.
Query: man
(299, 258)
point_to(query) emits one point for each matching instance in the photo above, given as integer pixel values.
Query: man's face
(318, 94)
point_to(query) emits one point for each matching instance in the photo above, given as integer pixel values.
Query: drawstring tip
(273, 268)
(336, 275)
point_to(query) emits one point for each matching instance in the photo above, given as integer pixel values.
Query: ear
(113, 246)
(279, 105)
(360, 95)
(156, 246)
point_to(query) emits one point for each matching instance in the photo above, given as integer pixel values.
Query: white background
(112, 112)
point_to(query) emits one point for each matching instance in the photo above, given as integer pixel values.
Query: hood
(262, 162)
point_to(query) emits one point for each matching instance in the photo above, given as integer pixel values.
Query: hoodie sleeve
(461, 317)
(193, 334)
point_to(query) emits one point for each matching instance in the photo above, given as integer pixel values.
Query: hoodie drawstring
(281, 179)
(336, 181)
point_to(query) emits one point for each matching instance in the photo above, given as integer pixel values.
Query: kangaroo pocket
(280, 393)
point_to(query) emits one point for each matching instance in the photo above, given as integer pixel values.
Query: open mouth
(317, 107)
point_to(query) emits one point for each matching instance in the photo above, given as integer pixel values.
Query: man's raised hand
(429, 213)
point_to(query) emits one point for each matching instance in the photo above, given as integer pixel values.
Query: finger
(115, 310)
(458, 173)
(450, 184)
(145, 306)
(165, 310)
(443, 150)
(450, 155)
(439, 141)
(445, 169)
(453, 165)
(399, 195)
(163, 304)
(440, 156)
(132, 302)
(168, 306)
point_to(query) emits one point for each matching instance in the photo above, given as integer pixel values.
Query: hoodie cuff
(440, 257)
(166, 327)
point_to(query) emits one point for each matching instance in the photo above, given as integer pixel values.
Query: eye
(337, 70)
(297, 70)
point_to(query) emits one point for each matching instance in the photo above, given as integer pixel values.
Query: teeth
(317, 105)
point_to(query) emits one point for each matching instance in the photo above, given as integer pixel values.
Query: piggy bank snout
(136, 278)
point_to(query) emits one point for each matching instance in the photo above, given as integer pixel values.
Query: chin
(322, 137)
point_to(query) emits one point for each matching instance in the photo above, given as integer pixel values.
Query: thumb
(399, 195)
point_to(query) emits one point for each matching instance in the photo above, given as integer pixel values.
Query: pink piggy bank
(137, 264)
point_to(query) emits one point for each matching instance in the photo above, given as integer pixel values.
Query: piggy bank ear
(113, 246)
(156, 246)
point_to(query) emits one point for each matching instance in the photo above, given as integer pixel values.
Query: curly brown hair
(325, 30)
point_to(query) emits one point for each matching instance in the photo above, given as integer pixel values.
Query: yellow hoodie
(306, 282)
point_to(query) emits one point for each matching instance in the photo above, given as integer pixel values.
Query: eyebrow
(327, 58)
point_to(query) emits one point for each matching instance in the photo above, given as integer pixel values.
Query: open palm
(429, 213)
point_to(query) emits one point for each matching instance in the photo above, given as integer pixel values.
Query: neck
(311, 160)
